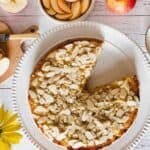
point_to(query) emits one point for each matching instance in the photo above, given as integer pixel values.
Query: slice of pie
(63, 72)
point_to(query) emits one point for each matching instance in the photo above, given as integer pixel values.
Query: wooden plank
(135, 27)
(142, 8)
(20, 23)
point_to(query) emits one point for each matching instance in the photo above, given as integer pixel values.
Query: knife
(5, 37)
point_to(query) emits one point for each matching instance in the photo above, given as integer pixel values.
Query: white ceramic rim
(83, 17)
(146, 60)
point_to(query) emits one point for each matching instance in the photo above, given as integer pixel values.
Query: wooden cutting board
(12, 49)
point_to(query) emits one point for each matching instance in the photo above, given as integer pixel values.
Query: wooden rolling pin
(6, 37)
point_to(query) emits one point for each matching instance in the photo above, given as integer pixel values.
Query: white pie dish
(124, 56)
(81, 18)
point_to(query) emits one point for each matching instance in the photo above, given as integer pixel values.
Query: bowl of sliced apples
(66, 10)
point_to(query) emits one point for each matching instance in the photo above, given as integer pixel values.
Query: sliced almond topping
(131, 103)
(89, 136)
(55, 132)
(78, 145)
(32, 94)
(49, 99)
(40, 110)
(123, 93)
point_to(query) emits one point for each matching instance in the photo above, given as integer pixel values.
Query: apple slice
(62, 4)
(147, 39)
(46, 3)
(85, 5)
(75, 9)
(14, 6)
(1, 54)
(54, 4)
(63, 16)
(51, 11)
(4, 65)
(71, 0)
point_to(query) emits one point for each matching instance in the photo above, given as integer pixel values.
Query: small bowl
(82, 17)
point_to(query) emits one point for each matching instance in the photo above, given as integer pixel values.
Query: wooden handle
(24, 36)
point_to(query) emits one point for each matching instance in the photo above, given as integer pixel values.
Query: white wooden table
(134, 24)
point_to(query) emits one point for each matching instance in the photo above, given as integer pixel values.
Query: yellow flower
(8, 127)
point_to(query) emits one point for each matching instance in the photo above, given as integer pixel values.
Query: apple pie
(66, 111)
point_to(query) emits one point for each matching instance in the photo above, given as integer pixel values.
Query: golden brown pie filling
(69, 114)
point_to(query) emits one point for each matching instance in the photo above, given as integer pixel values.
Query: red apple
(120, 6)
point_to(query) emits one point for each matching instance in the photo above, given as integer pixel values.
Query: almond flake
(49, 99)
(40, 110)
